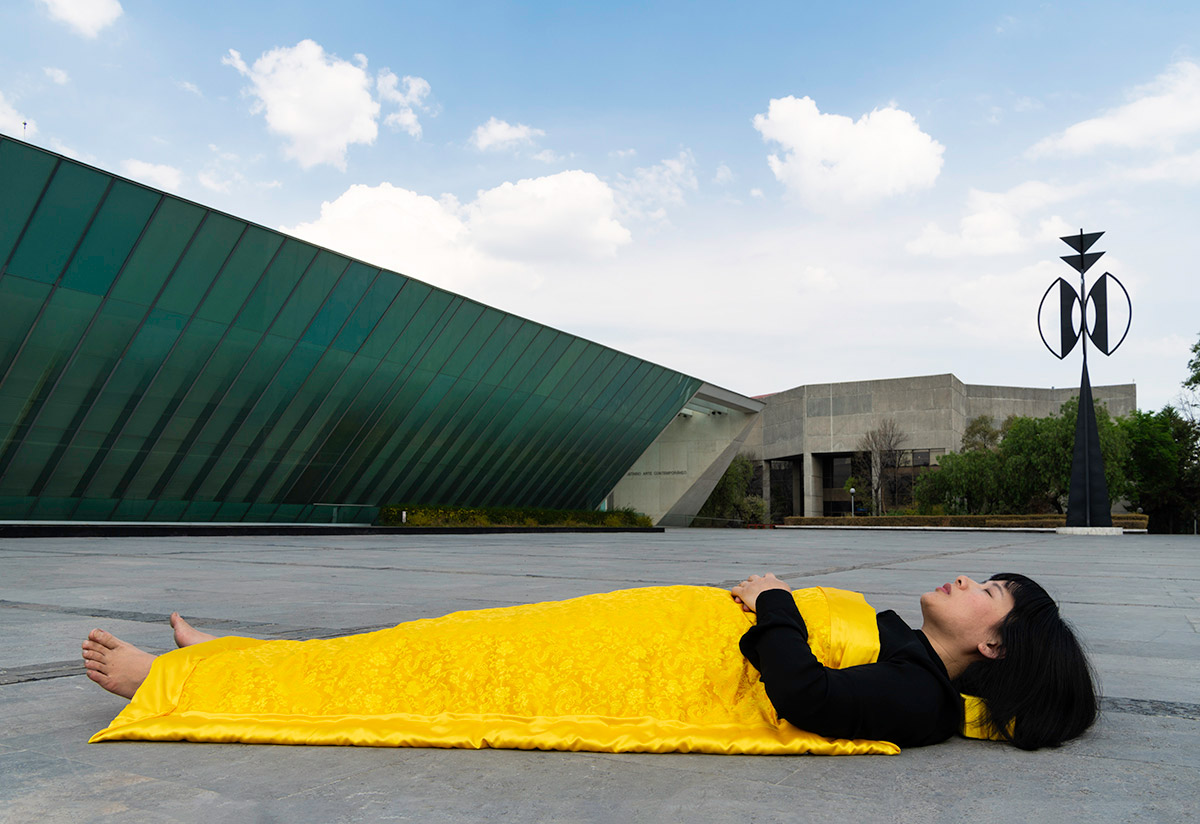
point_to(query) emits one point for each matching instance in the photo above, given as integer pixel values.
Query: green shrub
(446, 516)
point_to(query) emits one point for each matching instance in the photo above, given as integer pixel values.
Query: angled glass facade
(166, 362)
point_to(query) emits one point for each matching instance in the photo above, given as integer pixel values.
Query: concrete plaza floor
(1133, 599)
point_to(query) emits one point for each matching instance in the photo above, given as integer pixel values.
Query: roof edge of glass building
(163, 361)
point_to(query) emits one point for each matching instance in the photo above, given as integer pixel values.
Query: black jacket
(906, 697)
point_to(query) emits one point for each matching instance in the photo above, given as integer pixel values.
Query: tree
(1192, 381)
(883, 448)
(1164, 468)
(1030, 470)
(965, 483)
(1189, 401)
(730, 503)
(980, 434)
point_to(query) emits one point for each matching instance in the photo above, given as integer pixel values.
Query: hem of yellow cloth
(451, 730)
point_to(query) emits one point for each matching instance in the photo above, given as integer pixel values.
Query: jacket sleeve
(897, 700)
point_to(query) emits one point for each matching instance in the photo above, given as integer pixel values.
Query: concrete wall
(1002, 401)
(676, 474)
(804, 423)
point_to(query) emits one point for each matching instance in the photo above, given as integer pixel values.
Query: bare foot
(186, 634)
(115, 665)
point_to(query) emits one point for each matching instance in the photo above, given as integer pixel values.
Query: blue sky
(760, 195)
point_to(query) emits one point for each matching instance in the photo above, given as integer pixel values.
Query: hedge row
(422, 515)
(1125, 521)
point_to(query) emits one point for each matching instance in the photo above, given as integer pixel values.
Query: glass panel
(33, 375)
(231, 512)
(276, 285)
(168, 511)
(15, 507)
(290, 437)
(59, 222)
(110, 238)
(304, 302)
(53, 509)
(22, 299)
(24, 171)
(157, 252)
(259, 513)
(201, 511)
(205, 256)
(482, 324)
(422, 329)
(343, 300)
(516, 335)
(357, 400)
(369, 311)
(241, 272)
(95, 509)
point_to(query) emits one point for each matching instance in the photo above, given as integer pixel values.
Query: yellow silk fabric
(975, 724)
(643, 670)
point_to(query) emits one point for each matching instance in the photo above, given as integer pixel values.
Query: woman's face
(967, 610)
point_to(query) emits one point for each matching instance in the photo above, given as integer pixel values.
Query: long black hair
(1041, 692)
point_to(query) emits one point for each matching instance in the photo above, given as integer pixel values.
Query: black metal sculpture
(1087, 503)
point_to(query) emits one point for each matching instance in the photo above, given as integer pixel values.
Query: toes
(104, 639)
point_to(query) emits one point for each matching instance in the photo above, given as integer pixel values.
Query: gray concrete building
(805, 438)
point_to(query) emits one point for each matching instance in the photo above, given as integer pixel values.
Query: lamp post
(851, 502)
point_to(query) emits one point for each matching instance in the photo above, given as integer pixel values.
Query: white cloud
(413, 95)
(226, 172)
(816, 279)
(221, 173)
(399, 229)
(59, 76)
(756, 192)
(189, 87)
(829, 157)
(548, 156)
(212, 181)
(562, 215)
(1160, 113)
(319, 103)
(622, 153)
(569, 216)
(1180, 168)
(499, 134)
(57, 145)
(13, 122)
(993, 223)
(723, 175)
(158, 175)
(87, 17)
(651, 189)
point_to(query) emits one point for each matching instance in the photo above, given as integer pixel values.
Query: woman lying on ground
(1002, 640)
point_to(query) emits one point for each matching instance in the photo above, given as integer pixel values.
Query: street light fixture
(851, 502)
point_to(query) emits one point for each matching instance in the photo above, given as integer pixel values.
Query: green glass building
(162, 361)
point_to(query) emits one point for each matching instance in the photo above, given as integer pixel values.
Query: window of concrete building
(835, 471)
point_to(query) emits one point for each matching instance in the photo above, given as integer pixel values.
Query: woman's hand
(746, 593)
